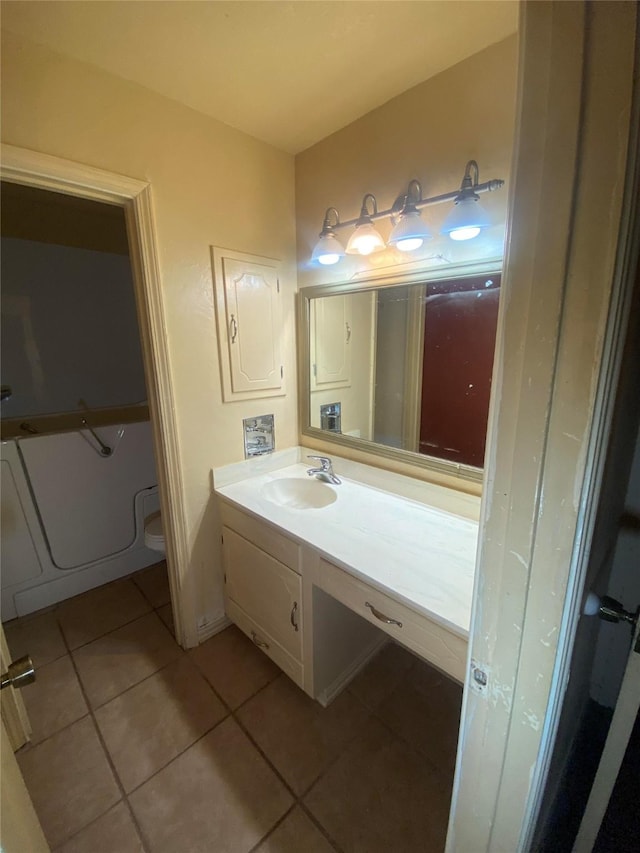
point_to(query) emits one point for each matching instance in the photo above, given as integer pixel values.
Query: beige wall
(428, 133)
(211, 185)
(214, 185)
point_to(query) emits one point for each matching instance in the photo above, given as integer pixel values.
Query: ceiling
(288, 73)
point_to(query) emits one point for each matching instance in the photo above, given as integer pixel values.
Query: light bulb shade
(365, 240)
(409, 233)
(328, 250)
(467, 219)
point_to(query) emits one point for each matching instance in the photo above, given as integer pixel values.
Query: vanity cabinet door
(249, 313)
(267, 591)
(331, 346)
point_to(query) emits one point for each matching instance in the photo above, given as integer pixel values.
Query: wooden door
(620, 730)
(20, 830)
(459, 341)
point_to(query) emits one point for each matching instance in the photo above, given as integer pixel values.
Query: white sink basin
(299, 494)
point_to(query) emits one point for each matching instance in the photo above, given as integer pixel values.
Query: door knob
(609, 609)
(19, 674)
(612, 611)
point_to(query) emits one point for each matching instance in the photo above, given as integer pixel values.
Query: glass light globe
(466, 220)
(365, 240)
(328, 250)
(409, 232)
(464, 233)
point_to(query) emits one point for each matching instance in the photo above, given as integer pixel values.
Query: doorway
(78, 472)
(134, 197)
(602, 648)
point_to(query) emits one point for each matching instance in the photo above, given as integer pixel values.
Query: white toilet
(153, 532)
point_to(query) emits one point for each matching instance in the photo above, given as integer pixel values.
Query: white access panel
(249, 313)
(332, 341)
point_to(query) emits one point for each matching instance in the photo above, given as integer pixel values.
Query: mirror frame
(368, 282)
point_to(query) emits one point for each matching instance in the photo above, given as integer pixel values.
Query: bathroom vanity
(319, 575)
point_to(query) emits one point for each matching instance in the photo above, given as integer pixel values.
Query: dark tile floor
(140, 746)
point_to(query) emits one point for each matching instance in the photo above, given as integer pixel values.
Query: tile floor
(140, 747)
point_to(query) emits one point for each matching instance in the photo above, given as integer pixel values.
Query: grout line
(297, 798)
(233, 713)
(278, 823)
(259, 690)
(119, 627)
(225, 706)
(133, 686)
(259, 749)
(374, 711)
(106, 633)
(228, 714)
(314, 820)
(175, 757)
(146, 844)
(434, 769)
(91, 713)
(123, 794)
(116, 775)
(144, 840)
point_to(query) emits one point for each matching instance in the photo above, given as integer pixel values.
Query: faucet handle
(323, 460)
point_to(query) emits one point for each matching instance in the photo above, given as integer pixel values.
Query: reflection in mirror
(404, 368)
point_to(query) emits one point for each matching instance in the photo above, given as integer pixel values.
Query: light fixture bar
(466, 220)
(485, 187)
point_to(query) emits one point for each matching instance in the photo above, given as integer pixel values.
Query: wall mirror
(401, 365)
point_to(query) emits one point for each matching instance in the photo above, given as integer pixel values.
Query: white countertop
(419, 555)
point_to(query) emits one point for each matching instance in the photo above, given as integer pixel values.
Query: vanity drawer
(263, 535)
(431, 641)
(261, 638)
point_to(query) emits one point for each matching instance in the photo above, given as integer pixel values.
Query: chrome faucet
(324, 471)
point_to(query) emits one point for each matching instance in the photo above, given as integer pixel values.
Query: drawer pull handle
(381, 616)
(294, 611)
(260, 643)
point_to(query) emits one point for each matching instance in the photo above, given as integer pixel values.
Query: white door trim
(12, 707)
(43, 171)
(548, 418)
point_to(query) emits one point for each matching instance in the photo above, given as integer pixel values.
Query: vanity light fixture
(468, 217)
(328, 250)
(410, 232)
(465, 221)
(366, 239)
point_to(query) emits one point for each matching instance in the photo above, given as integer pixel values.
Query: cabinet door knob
(294, 612)
(386, 619)
(260, 643)
(233, 329)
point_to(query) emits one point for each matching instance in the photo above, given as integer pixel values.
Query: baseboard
(208, 629)
(347, 675)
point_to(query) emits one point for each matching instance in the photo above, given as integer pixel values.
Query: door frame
(43, 171)
(560, 335)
